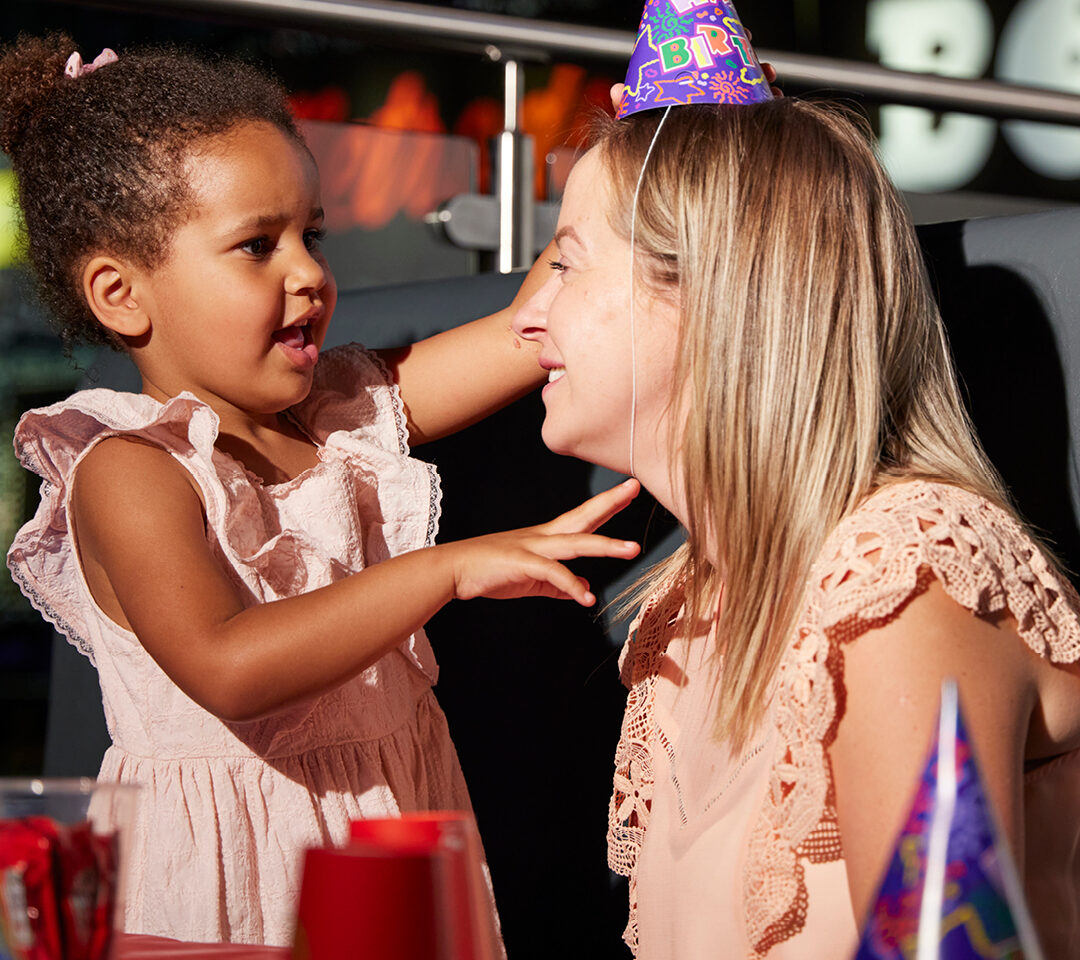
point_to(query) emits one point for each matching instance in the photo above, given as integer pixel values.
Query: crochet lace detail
(873, 564)
(631, 799)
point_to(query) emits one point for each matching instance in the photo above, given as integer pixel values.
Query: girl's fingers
(594, 512)
(770, 77)
(568, 546)
(569, 585)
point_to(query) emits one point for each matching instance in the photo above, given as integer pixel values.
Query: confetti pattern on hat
(690, 51)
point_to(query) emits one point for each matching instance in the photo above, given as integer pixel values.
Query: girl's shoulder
(907, 533)
(51, 441)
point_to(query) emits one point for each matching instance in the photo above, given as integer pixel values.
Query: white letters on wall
(1039, 46)
(954, 38)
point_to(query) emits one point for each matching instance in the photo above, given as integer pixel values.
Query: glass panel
(378, 186)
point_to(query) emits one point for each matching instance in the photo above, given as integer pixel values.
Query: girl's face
(581, 317)
(240, 308)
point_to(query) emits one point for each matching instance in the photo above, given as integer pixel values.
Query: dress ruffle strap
(51, 441)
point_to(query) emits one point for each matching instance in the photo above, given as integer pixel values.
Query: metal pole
(537, 39)
(514, 173)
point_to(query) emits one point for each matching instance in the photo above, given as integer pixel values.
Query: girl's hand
(770, 75)
(525, 562)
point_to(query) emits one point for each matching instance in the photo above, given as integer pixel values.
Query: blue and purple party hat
(951, 890)
(690, 51)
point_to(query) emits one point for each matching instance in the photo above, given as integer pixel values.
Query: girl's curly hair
(100, 159)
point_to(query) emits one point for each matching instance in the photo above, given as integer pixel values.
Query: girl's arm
(146, 559)
(462, 375)
(892, 678)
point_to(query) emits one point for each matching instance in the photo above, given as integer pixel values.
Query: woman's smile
(581, 318)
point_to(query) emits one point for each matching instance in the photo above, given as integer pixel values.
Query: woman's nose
(530, 321)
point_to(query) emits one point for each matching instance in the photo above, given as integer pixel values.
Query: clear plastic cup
(62, 845)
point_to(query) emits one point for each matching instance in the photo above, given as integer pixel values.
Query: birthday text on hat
(685, 6)
(709, 42)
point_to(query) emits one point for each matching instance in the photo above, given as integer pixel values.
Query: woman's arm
(462, 375)
(147, 562)
(892, 678)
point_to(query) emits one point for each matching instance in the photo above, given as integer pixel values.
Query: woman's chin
(558, 441)
(567, 446)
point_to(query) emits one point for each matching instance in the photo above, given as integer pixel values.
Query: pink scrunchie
(75, 67)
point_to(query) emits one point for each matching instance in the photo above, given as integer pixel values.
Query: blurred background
(404, 127)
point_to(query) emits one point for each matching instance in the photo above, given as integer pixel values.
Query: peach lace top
(226, 809)
(740, 856)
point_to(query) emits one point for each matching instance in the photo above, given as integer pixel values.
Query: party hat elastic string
(633, 290)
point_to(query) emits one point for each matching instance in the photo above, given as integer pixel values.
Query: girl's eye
(257, 246)
(313, 238)
(557, 265)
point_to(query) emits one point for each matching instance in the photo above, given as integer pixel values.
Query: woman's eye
(257, 246)
(557, 265)
(313, 238)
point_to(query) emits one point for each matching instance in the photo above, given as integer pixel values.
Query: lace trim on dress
(434, 505)
(631, 799)
(402, 423)
(400, 420)
(39, 603)
(25, 584)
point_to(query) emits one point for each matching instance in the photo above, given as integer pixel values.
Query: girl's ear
(110, 289)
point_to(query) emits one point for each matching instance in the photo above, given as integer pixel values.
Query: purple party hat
(691, 51)
(951, 890)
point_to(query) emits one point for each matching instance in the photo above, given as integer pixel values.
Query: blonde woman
(784, 388)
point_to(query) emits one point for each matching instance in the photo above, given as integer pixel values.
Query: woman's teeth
(556, 374)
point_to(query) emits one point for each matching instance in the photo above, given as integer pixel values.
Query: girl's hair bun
(31, 70)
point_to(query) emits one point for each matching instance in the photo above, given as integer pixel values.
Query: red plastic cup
(469, 917)
(409, 888)
(368, 904)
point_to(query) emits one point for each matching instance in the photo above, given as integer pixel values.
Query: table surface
(131, 946)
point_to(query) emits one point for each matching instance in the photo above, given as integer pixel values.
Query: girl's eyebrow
(272, 219)
(571, 234)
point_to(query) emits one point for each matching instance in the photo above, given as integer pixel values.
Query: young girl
(245, 548)
(791, 399)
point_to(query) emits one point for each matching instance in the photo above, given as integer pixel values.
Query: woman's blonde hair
(812, 355)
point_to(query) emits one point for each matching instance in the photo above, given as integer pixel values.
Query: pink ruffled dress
(226, 810)
(739, 856)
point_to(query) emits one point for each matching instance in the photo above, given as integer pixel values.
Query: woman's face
(581, 318)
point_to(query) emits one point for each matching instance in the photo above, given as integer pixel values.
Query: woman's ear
(109, 285)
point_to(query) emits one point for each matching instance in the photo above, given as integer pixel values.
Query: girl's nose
(530, 321)
(308, 272)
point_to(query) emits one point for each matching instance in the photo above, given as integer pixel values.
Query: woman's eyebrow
(571, 234)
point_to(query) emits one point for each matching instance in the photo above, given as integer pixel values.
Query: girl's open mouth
(298, 345)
